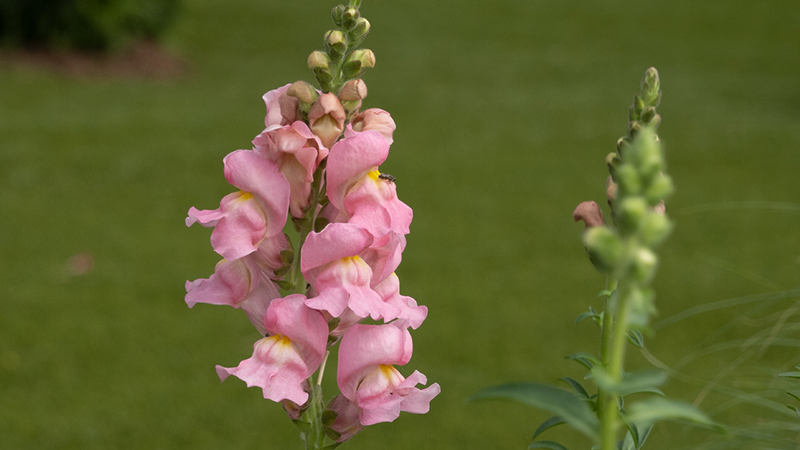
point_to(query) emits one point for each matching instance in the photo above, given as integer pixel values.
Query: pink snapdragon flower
(406, 307)
(367, 376)
(247, 217)
(281, 108)
(238, 284)
(332, 264)
(357, 188)
(294, 349)
(297, 152)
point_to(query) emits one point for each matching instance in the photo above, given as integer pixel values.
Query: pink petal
(350, 159)
(335, 241)
(260, 177)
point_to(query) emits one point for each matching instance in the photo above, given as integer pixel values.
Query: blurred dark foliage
(97, 25)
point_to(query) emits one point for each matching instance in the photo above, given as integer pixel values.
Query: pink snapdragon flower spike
(356, 187)
(246, 217)
(281, 108)
(294, 349)
(406, 307)
(373, 119)
(297, 152)
(384, 256)
(238, 284)
(367, 376)
(331, 263)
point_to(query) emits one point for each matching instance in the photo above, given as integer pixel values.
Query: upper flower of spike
(357, 188)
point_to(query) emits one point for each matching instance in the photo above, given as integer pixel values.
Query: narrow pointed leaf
(793, 395)
(655, 409)
(577, 386)
(587, 360)
(547, 424)
(568, 405)
(790, 375)
(548, 445)
(636, 338)
(631, 382)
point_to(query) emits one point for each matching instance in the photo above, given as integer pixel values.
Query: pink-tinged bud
(353, 90)
(302, 91)
(281, 108)
(660, 208)
(375, 119)
(589, 213)
(611, 189)
(326, 118)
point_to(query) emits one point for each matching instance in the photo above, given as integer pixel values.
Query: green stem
(606, 327)
(609, 415)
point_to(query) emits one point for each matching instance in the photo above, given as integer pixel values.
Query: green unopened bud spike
(336, 14)
(349, 18)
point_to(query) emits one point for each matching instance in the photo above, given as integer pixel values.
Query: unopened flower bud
(326, 119)
(361, 29)
(349, 18)
(303, 92)
(655, 228)
(630, 212)
(336, 42)
(611, 189)
(353, 90)
(651, 87)
(336, 14)
(648, 114)
(634, 128)
(604, 247)
(659, 189)
(623, 143)
(589, 213)
(375, 119)
(644, 265)
(357, 62)
(318, 60)
(627, 179)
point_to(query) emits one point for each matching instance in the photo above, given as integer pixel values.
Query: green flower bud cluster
(340, 59)
(641, 224)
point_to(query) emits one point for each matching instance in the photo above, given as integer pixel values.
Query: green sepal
(320, 223)
(548, 445)
(569, 406)
(282, 271)
(285, 285)
(328, 417)
(287, 256)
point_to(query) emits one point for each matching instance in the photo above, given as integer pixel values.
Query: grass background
(505, 112)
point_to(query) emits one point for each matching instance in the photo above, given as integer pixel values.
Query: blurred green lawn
(505, 112)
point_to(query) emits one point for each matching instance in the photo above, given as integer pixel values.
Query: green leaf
(790, 375)
(547, 424)
(655, 409)
(572, 408)
(636, 436)
(631, 383)
(585, 315)
(635, 338)
(587, 360)
(604, 293)
(547, 444)
(795, 409)
(577, 386)
(794, 395)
